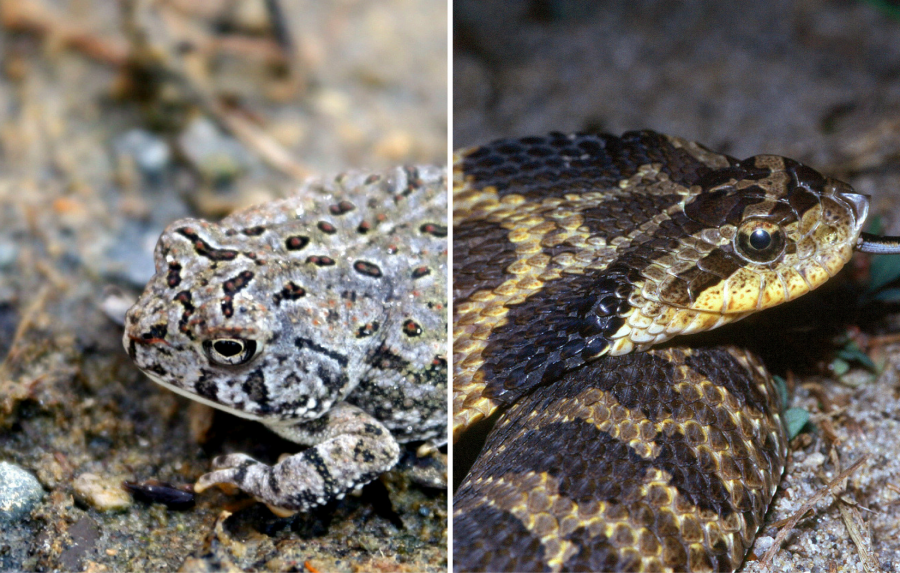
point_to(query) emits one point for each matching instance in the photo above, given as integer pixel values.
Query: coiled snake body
(570, 253)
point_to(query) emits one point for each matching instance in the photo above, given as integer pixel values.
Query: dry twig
(854, 523)
(33, 17)
(859, 533)
(884, 339)
(169, 66)
(34, 309)
(766, 561)
(264, 144)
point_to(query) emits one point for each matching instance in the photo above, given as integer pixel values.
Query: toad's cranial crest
(322, 316)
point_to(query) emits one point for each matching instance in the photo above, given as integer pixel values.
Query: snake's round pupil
(228, 347)
(760, 239)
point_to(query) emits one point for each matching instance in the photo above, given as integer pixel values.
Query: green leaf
(781, 386)
(795, 418)
(839, 367)
(884, 270)
(875, 225)
(852, 353)
(887, 295)
(887, 8)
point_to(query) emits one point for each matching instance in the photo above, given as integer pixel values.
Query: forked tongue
(868, 243)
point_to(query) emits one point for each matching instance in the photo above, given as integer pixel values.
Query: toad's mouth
(198, 398)
(146, 363)
(136, 342)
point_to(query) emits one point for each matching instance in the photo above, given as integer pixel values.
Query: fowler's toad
(323, 316)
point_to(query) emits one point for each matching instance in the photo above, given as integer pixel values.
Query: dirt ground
(115, 119)
(816, 80)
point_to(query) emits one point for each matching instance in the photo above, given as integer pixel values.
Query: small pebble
(150, 153)
(8, 254)
(814, 460)
(396, 145)
(103, 494)
(252, 16)
(217, 156)
(762, 544)
(19, 492)
(333, 102)
(115, 303)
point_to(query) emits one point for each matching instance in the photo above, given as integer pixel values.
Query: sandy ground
(812, 80)
(95, 159)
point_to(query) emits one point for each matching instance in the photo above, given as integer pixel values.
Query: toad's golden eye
(230, 351)
(759, 240)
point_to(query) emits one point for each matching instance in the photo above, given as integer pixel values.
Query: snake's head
(760, 232)
(774, 230)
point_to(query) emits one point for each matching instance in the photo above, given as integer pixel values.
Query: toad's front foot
(352, 449)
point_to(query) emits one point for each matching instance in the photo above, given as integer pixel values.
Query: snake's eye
(759, 240)
(230, 351)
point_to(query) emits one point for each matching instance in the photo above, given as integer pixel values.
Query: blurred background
(815, 80)
(117, 117)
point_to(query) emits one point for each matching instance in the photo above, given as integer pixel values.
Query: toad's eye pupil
(760, 239)
(228, 347)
